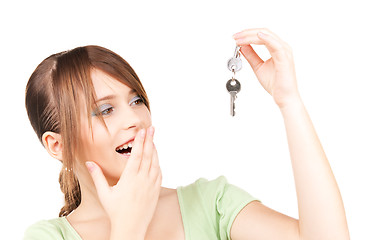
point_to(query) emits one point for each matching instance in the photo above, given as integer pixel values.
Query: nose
(130, 118)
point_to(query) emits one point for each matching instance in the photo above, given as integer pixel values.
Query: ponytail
(70, 187)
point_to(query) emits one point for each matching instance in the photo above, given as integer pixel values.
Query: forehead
(105, 85)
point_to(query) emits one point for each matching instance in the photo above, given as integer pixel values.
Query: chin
(114, 173)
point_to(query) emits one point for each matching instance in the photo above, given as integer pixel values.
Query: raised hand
(277, 74)
(131, 203)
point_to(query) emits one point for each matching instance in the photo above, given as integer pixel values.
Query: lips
(126, 147)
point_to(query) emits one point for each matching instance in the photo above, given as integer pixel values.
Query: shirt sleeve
(229, 201)
(42, 230)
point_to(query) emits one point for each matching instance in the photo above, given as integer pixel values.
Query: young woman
(91, 112)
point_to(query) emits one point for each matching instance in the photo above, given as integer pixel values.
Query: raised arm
(320, 206)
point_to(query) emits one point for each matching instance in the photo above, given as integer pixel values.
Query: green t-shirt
(208, 209)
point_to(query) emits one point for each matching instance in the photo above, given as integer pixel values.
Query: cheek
(96, 144)
(146, 116)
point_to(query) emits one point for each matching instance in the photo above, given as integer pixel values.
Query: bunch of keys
(233, 86)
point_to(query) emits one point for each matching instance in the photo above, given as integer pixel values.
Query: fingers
(147, 151)
(261, 36)
(155, 160)
(253, 59)
(98, 177)
(275, 47)
(155, 170)
(247, 37)
(142, 152)
(134, 161)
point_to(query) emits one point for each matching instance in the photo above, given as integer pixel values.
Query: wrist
(294, 109)
(291, 102)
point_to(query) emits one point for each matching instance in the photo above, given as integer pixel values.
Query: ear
(53, 144)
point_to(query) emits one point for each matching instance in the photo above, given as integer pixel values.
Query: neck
(90, 207)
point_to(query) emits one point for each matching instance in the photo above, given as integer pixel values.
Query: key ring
(234, 64)
(233, 75)
(233, 68)
(237, 53)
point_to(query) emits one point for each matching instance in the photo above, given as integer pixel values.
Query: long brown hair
(53, 94)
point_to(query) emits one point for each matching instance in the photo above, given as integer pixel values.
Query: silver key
(234, 64)
(233, 87)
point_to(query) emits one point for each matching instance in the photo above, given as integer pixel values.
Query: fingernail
(90, 166)
(236, 35)
(142, 133)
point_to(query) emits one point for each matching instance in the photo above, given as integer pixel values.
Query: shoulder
(203, 184)
(44, 229)
(216, 200)
(57, 229)
(217, 194)
(228, 198)
(216, 188)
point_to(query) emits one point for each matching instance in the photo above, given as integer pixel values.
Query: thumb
(98, 178)
(253, 59)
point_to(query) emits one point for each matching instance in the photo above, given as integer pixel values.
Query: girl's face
(124, 113)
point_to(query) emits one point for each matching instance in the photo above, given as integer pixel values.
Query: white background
(180, 49)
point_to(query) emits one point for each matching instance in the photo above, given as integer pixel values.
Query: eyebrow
(112, 96)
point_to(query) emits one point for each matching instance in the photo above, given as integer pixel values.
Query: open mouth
(125, 149)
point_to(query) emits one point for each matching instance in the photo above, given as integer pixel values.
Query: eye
(104, 110)
(137, 100)
(107, 111)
